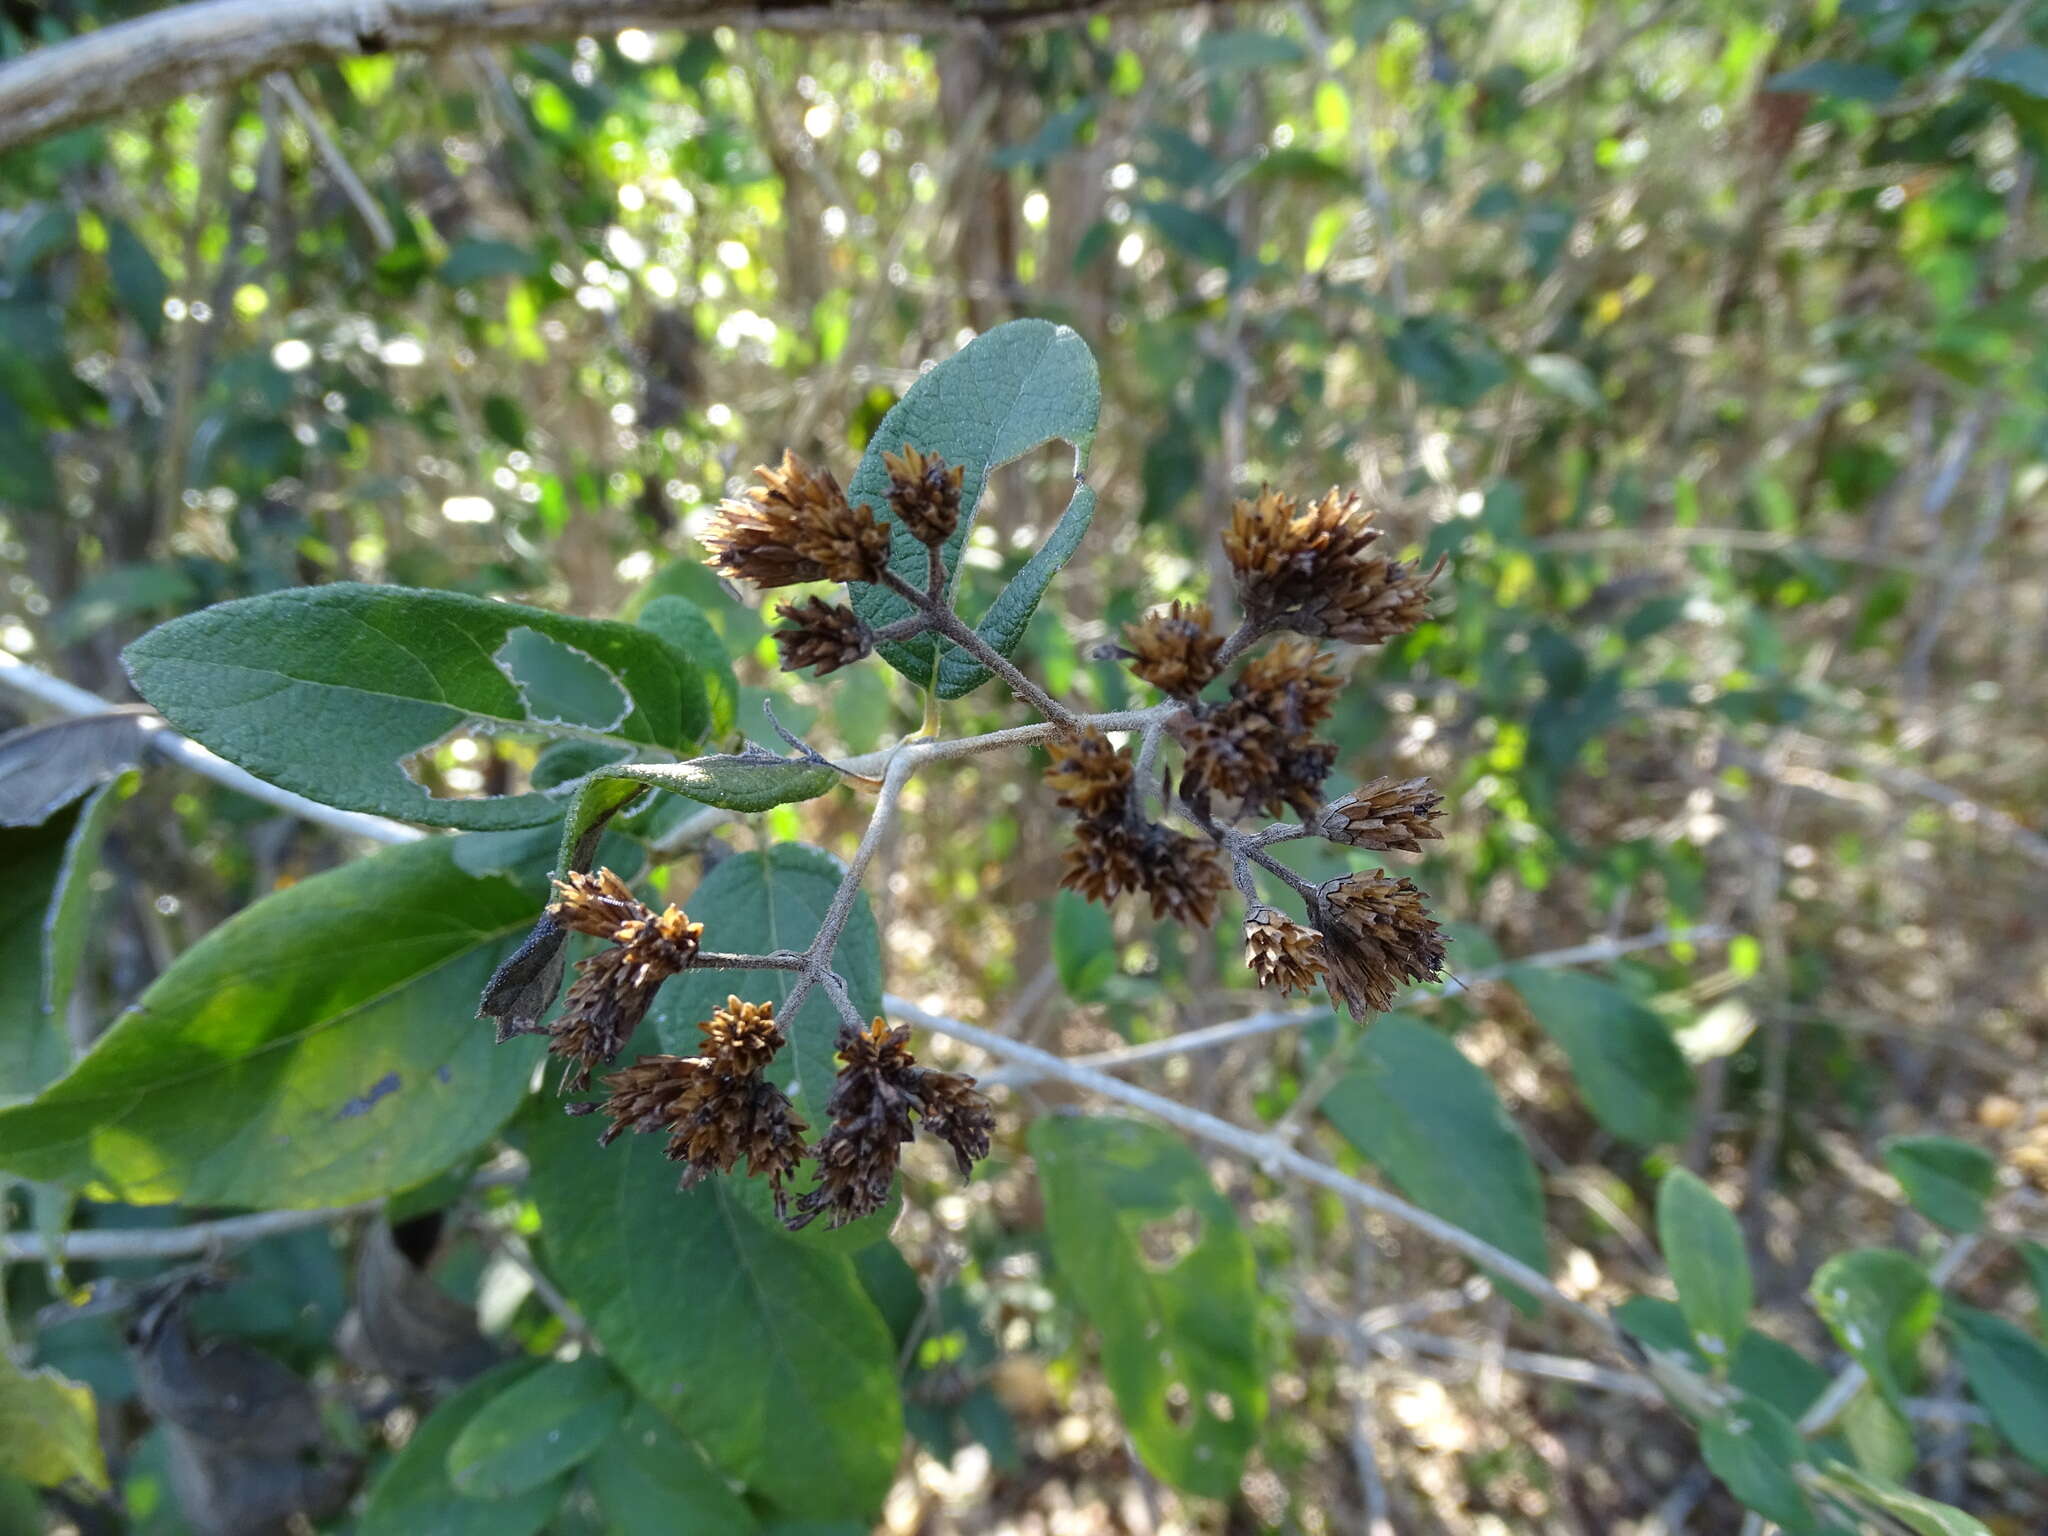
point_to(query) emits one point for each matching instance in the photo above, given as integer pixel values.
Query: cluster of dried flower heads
(718, 1108)
(1252, 751)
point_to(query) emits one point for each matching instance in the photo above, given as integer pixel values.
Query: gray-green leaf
(1703, 1246)
(652, 1482)
(1878, 1303)
(2008, 1373)
(1159, 1265)
(1947, 1180)
(1413, 1104)
(317, 1048)
(1003, 394)
(414, 1495)
(1753, 1449)
(1924, 1517)
(766, 1352)
(1633, 1075)
(329, 691)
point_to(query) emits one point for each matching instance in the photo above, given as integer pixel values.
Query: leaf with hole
(1703, 1247)
(765, 1351)
(1633, 1076)
(1158, 1264)
(1006, 392)
(1947, 1180)
(317, 1048)
(1414, 1105)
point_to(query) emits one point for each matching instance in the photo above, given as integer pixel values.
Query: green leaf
(1567, 377)
(1157, 1262)
(1191, 232)
(1450, 363)
(2024, 68)
(328, 691)
(413, 1494)
(505, 421)
(1776, 1372)
(537, 1429)
(1414, 1105)
(1879, 1439)
(1703, 1246)
(2008, 1373)
(1083, 945)
(475, 261)
(2036, 1259)
(139, 283)
(1660, 1326)
(316, 1048)
(1837, 77)
(1922, 1516)
(765, 1351)
(685, 627)
(1878, 1303)
(33, 1047)
(756, 903)
(1003, 394)
(49, 1428)
(1946, 1180)
(1633, 1075)
(1753, 1449)
(652, 1482)
(66, 925)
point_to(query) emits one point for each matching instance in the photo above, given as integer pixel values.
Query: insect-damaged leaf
(315, 1049)
(1003, 394)
(1159, 1265)
(765, 1351)
(328, 691)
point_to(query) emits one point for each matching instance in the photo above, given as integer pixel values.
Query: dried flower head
(1313, 570)
(1091, 776)
(1377, 934)
(1181, 874)
(1281, 952)
(797, 526)
(1173, 649)
(1257, 748)
(871, 1106)
(824, 635)
(957, 1113)
(1102, 861)
(1387, 813)
(717, 1108)
(1292, 683)
(615, 986)
(924, 493)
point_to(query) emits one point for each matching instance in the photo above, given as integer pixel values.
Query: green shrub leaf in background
(1414, 1105)
(1634, 1077)
(689, 632)
(652, 1482)
(1879, 1304)
(1923, 1517)
(765, 1351)
(1703, 1247)
(1083, 945)
(1947, 1180)
(1003, 394)
(537, 1429)
(329, 691)
(1754, 1449)
(413, 1494)
(317, 1048)
(2008, 1373)
(757, 903)
(33, 1048)
(1158, 1264)
(49, 1428)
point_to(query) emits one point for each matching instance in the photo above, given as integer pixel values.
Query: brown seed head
(957, 1113)
(1091, 776)
(1102, 861)
(606, 1003)
(1387, 813)
(1292, 683)
(1377, 933)
(819, 634)
(1281, 952)
(1182, 875)
(796, 526)
(595, 904)
(1313, 570)
(1173, 649)
(741, 1038)
(871, 1106)
(924, 493)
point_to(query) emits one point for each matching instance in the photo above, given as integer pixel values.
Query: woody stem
(1240, 640)
(949, 624)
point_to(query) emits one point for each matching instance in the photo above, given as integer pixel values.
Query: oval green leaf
(1633, 1075)
(1703, 1246)
(1947, 1180)
(413, 1494)
(537, 1429)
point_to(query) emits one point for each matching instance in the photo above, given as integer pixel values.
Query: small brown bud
(1091, 776)
(1174, 650)
(1377, 933)
(1281, 952)
(1387, 813)
(824, 635)
(1102, 861)
(924, 493)
(796, 526)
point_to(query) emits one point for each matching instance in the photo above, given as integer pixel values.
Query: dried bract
(1174, 649)
(1312, 570)
(924, 493)
(1181, 874)
(819, 634)
(797, 526)
(1281, 952)
(1387, 813)
(614, 987)
(1377, 934)
(1091, 776)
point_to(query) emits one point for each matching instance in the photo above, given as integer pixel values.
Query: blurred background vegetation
(1704, 339)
